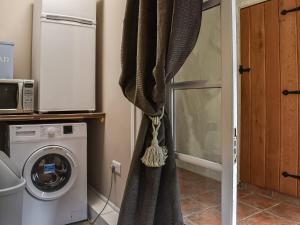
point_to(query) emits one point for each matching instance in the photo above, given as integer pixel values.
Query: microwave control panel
(28, 96)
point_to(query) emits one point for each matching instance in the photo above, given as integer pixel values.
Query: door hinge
(235, 146)
(286, 174)
(243, 70)
(286, 11)
(287, 92)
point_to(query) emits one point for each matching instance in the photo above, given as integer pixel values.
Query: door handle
(244, 70)
(286, 11)
(286, 174)
(287, 92)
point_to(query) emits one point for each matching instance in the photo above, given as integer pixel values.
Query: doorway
(270, 109)
(202, 97)
(196, 109)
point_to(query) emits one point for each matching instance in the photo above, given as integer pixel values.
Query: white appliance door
(85, 9)
(67, 67)
(50, 172)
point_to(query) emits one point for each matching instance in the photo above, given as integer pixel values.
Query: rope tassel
(155, 155)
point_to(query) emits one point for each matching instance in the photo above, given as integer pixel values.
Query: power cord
(107, 201)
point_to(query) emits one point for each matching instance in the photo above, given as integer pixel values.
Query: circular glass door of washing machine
(50, 172)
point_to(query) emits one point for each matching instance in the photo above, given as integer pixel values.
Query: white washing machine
(53, 160)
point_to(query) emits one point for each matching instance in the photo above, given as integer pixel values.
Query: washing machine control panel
(66, 130)
(51, 131)
(45, 131)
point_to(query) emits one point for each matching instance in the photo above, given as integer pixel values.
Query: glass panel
(51, 173)
(200, 192)
(204, 63)
(8, 96)
(198, 123)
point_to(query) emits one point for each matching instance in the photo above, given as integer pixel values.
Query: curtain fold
(158, 36)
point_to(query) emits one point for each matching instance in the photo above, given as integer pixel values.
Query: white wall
(110, 141)
(16, 26)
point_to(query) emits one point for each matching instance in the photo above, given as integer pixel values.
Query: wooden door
(270, 47)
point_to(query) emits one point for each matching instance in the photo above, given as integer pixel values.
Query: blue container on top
(6, 60)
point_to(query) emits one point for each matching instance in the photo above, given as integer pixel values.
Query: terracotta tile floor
(201, 198)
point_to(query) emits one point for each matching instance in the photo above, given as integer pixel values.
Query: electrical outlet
(117, 166)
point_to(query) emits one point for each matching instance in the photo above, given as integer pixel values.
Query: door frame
(229, 68)
(229, 65)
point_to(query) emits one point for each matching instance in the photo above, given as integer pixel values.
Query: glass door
(50, 172)
(203, 109)
(9, 95)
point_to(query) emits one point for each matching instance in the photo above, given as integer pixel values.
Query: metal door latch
(287, 92)
(244, 70)
(286, 174)
(286, 11)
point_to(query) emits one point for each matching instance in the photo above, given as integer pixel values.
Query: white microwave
(16, 96)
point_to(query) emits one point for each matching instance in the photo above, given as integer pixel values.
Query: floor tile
(200, 198)
(211, 198)
(286, 199)
(241, 223)
(189, 190)
(257, 190)
(244, 211)
(189, 205)
(243, 192)
(286, 211)
(208, 217)
(187, 221)
(266, 219)
(258, 201)
(187, 175)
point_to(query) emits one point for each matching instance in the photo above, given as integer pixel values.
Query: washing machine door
(50, 172)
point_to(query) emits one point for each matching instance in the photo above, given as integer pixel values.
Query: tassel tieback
(155, 155)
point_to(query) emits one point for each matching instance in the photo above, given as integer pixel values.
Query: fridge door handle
(69, 19)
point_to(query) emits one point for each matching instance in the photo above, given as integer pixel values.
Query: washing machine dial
(51, 131)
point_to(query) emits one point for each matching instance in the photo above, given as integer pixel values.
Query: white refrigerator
(63, 55)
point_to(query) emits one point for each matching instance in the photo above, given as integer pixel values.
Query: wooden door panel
(289, 104)
(258, 103)
(298, 61)
(273, 94)
(245, 98)
(270, 45)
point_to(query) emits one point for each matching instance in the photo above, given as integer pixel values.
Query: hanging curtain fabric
(158, 36)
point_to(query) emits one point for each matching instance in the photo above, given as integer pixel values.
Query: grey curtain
(158, 36)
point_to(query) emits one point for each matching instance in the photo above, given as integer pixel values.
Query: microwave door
(10, 95)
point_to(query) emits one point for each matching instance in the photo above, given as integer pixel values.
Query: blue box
(6, 60)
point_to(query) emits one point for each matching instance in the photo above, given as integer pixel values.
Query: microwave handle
(19, 96)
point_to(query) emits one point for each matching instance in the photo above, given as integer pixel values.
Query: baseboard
(92, 215)
(96, 202)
